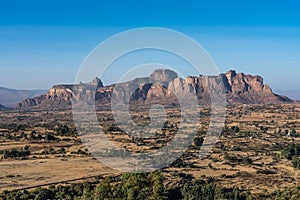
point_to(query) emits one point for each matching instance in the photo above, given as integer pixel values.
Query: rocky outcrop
(161, 86)
(163, 75)
(242, 88)
(59, 96)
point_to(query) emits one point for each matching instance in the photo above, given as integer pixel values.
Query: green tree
(103, 190)
(158, 189)
(135, 186)
(87, 194)
(198, 191)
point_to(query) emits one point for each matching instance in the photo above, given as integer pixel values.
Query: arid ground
(249, 154)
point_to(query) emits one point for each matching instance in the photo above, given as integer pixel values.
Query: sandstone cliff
(161, 86)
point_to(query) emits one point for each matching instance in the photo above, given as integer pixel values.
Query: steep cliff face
(161, 86)
(59, 96)
(243, 88)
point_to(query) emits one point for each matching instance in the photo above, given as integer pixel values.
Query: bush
(266, 172)
(247, 161)
(235, 129)
(291, 151)
(49, 137)
(198, 141)
(236, 148)
(64, 130)
(296, 162)
(234, 159)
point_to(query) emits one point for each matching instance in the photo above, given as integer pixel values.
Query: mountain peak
(95, 82)
(231, 73)
(162, 75)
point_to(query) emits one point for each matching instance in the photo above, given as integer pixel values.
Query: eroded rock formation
(162, 85)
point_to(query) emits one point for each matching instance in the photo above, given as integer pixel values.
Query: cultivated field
(41, 148)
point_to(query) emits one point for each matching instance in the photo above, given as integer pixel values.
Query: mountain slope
(239, 88)
(10, 97)
(293, 94)
(2, 107)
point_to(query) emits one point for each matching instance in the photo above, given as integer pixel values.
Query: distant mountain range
(240, 88)
(10, 97)
(293, 94)
(2, 107)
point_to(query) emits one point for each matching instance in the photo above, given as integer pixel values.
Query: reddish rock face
(163, 85)
(250, 89)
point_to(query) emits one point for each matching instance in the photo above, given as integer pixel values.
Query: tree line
(144, 186)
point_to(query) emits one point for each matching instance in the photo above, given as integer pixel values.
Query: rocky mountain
(248, 89)
(161, 86)
(59, 96)
(10, 97)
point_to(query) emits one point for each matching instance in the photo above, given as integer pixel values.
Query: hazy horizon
(146, 74)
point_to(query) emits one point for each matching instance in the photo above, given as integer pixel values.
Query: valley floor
(250, 154)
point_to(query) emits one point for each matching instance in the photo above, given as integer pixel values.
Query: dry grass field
(247, 156)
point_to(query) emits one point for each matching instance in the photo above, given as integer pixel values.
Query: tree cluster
(14, 153)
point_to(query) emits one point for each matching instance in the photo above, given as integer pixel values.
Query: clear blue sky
(44, 42)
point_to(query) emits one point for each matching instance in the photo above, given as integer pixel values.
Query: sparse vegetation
(249, 160)
(296, 162)
(291, 151)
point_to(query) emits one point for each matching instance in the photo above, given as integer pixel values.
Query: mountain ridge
(240, 88)
(10, 97)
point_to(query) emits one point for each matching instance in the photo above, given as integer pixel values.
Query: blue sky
(44, 42)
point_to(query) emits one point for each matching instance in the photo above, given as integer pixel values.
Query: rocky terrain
(161, 86)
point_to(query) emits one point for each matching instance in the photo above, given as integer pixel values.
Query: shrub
(291, 151)
(296, 162)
